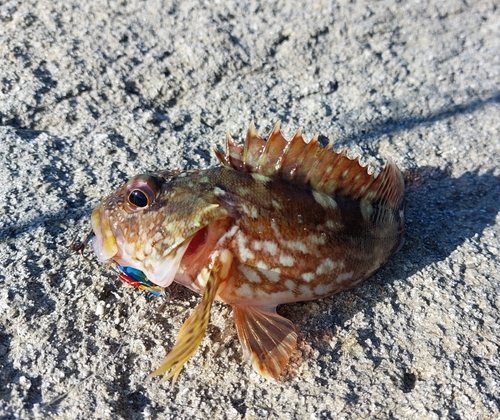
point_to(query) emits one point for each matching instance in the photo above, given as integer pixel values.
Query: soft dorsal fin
(303, 163)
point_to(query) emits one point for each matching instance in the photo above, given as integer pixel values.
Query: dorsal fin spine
(294, 151)
(251, 134)
(312, 174)
(309, 164)
(306, 159)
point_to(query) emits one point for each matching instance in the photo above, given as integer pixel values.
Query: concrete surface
(93, 92)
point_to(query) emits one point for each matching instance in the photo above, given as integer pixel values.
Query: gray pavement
(92, 93)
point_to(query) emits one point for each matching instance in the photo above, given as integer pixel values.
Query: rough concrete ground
(94, 92)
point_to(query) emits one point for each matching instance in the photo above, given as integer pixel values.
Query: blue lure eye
(138, 198)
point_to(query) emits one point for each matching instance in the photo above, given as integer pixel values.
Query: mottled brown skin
(288, 213)
(278, 222)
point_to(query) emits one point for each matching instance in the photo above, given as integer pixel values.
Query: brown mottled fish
(279, 221)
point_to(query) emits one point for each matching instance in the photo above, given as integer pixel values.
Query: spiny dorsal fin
(310, 164)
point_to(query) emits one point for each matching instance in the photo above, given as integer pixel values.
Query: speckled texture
(92, 94)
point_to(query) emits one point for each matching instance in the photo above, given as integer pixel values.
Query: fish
(276, 222)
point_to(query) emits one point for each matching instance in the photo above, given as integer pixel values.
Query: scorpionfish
(277, 222)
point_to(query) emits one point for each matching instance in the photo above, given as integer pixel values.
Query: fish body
(277, 222)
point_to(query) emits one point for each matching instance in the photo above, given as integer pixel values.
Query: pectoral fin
(193, 329)
(267, 338)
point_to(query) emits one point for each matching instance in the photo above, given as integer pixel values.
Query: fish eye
(140, 193)
(138, 198)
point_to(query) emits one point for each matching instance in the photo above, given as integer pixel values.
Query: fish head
(149, 223)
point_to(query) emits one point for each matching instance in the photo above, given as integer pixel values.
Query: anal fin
(194, 328)
(268, 339)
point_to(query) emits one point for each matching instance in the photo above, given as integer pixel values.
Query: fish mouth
(104, 241)
(108, 246)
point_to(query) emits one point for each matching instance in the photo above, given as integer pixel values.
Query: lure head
(149, 223)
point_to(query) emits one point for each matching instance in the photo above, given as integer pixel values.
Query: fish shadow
(442, 213)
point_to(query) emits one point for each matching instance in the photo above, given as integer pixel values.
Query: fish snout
(104, 240)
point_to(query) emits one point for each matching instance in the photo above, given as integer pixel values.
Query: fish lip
(110, 246)
(104, 240)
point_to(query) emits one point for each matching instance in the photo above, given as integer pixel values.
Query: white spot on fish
(287, 260)
(323, 289)
(329, 170)
(366, 209)
(270, 247)
(244, 191)
(230, 233)
(305, 291)
(245, 209)
(250, 211)
(285, 296)
(331, 224)
(273, 275)
(250, 274)
(257, 245)
(245, 253)
(260, 177)
(290, 284)
(296, 246)
(267, 246)
(317, 239)
(219, 191)
(345, 173)
(324, 200)
(326, 266)
(307, 277)
(262, 265)
(245, 290)
(344, 276)
(276, 204)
